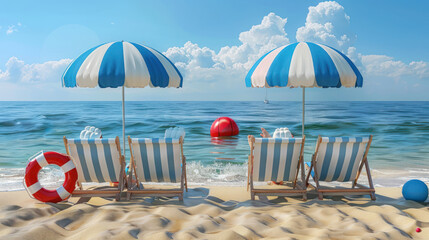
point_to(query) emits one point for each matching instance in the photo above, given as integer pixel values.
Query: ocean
(399, 151)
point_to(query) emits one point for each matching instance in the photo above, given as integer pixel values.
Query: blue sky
(209, 42)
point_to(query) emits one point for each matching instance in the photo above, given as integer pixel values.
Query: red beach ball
(224, 126)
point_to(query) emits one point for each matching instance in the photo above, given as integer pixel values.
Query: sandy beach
(215, 212)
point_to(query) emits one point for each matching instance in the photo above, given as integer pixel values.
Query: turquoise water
(400, 148)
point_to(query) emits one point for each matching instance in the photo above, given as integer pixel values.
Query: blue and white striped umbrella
(305, 65)
(119, 64)
(122, 64)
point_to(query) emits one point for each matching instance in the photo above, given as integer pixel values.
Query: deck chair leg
(371, 184)
(304, 196)
(372, 194)
(358, 173)
(300, 165)
(122, 180)
(183, 179)
(248, 171)
(186, 180)
(83, 200)
(252, 193)
(130, 179)
(316, 179)
(297, 172)
(319, 194)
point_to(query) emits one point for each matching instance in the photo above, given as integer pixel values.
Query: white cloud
(192, 56)
(219, 75)
(13, 28)
(327, 23)
(258, 40)
(382, 65)
(18, 71)
(230, 64)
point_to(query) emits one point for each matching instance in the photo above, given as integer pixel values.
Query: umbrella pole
(123, 119)
(303, 110)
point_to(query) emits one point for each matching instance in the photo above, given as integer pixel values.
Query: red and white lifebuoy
(33, 185)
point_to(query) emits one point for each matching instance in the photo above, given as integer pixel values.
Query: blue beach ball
(415, 190)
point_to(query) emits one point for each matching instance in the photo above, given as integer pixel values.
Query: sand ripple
(212, 218)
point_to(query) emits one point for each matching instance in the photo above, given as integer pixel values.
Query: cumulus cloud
(258, 40)
(387, 66)
(231, 62)
(327, 23)
(18, 71)
(382, 65)
(192, 56)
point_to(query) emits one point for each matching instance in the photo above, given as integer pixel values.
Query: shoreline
(392, 177)
(216, 212)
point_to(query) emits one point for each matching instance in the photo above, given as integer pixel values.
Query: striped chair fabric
(157, 159)
(276, 159)
(96, 160)
(338, 158)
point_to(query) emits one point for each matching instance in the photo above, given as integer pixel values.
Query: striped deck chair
(97, 160)
(157, 160)
(276, 159)
(341, 159)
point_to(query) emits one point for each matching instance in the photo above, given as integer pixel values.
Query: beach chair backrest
(276, 159)
(96, 160)
(338, 158)
(157, 159)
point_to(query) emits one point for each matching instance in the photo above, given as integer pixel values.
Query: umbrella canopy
(119, 64)
(122, 64)
(305, 65)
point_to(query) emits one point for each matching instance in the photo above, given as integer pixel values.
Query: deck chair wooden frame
(136, 187)
(360, 190)
(299, 189)
(111, 192)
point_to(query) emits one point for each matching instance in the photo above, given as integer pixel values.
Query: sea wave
(400, 130)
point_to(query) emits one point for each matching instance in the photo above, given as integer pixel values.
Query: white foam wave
(198, 173)
(217, 173)
(12, 179)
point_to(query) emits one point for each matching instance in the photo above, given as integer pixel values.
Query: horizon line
(213, 101)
